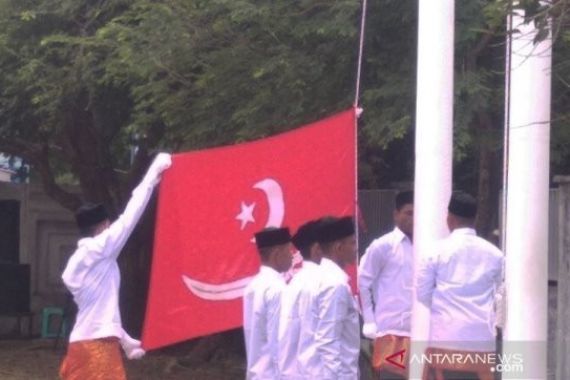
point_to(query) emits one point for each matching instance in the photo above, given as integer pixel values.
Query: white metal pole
(434, 137)
(527, 197)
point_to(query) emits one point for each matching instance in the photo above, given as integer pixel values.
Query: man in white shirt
(337, 336)
(93, 278)
(385, 281)
(262, 303)
(459, 283)
(296, 333)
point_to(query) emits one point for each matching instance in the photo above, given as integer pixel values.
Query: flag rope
(357, 115)
(360, 52)
(506, 128)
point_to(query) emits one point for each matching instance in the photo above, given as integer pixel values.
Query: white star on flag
(246, 214)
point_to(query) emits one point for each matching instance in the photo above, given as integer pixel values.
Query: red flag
(211, 202)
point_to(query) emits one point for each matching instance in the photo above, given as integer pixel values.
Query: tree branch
(474, 53)
(66, 199)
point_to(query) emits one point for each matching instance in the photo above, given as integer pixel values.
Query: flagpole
(526, 274)
(434, 136)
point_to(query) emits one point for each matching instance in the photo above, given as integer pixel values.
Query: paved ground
(37, 360)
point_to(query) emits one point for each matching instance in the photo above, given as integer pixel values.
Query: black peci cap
(306, 235)
(272, 236)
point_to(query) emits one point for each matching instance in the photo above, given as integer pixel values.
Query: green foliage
(217, 72)
(178, 75)
(388, 85)
(183, 74)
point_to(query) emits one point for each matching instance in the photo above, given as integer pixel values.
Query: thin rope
(507, 126)
(357, 112)
(360, 53)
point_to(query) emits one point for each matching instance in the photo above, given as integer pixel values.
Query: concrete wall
(47, 238)
(376, 210)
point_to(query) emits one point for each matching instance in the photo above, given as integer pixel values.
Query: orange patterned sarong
(391, 353)
(98, 359)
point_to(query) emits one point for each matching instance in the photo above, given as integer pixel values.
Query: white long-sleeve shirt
(337, 335)
(385, 282)
(261, 308)
(459, 283)
(92, 273)
(296, 333)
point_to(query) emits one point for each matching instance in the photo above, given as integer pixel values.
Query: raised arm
(117, 234)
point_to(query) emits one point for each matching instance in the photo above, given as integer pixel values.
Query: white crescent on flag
(274, 195)
(217, 292)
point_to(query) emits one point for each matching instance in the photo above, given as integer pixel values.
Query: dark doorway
(14, 288)
(9, 231)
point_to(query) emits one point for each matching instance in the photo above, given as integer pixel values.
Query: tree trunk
(487, 200)
(89, 154)
(487, 186)
(488, 174)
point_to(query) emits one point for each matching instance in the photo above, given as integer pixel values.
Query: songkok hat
(90, 215)
(333, 229)
(272, 236)
(306, 235)
(403, 198)
(463, 205)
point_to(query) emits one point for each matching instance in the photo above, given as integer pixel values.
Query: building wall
(376, 210)
(47, 238)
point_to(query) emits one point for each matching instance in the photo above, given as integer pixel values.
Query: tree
(83, 80)
(389, 95)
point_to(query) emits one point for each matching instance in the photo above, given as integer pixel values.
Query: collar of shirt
(310, 264)
(464, 231)
(86, 242)
(95, 243)
(329, 266)
(269, 272)
(399, 236)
